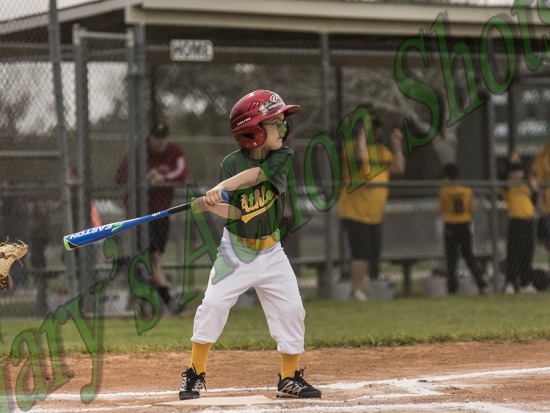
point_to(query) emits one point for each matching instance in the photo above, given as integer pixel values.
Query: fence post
(81, 184)
(67, 224)
(493, 184)
(325, 281)
(137, 167)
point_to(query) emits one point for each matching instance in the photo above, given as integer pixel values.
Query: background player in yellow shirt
(456, 204)
(361, 211)
(520, 238)
(540, 171)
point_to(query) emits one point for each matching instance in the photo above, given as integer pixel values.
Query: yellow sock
(289, 364)
(199, 354)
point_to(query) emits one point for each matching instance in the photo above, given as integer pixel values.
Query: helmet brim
(289, 109)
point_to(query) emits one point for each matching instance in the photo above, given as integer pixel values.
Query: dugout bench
(405, 261)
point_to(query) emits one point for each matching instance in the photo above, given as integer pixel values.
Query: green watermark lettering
(361, 114)
(30, 384)
(51, 328)
(298, 219)
(334, 161)
(209, 246)
(490, 79)
(144, 290)
(284, 169)
(462, 50)
(111, 250)
(519, 9)
(418, 91)
(92, 336)
(544, 16)
(345, 129)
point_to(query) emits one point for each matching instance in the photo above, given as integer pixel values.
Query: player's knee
(218, 304)
(293, 312)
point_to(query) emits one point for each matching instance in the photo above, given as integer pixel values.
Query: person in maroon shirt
(166, 163)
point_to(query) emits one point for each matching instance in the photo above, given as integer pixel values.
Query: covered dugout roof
(220, 20)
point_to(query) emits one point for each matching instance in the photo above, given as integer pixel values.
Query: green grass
(493, 317)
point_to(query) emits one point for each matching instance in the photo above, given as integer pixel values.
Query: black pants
(458, 241)
(520, 249)
(366, 244)
(158, 234)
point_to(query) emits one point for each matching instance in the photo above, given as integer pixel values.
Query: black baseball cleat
(296, 387)
(192, 384)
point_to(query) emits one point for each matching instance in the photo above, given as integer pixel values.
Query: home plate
(219, 401)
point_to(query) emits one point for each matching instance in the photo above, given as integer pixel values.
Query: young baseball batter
(250, 253)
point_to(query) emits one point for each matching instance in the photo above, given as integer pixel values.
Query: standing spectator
(456, 204)
(540, 172)
(166, 164)
(362, 210)
(520, 247)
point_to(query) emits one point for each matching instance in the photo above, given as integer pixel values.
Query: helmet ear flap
(252, 139)
(259, 136)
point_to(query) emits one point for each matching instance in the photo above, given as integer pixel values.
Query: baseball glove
(9, 252)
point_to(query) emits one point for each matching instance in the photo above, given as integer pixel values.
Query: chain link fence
(30, 181)
(114, 87)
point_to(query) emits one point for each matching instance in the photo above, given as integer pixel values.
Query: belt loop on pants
(259, 244)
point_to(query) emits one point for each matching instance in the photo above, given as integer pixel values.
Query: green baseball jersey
(261, 205)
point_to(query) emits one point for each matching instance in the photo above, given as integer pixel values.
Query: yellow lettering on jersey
(256, 203)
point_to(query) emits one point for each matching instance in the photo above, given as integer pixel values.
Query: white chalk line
(428, 407)
(421, 386)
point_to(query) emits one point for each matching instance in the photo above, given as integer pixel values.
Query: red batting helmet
(250, 111)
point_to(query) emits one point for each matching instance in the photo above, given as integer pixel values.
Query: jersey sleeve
(227, 169)
(276, 167)
(178, 165)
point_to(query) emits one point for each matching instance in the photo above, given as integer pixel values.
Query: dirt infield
(488, 377)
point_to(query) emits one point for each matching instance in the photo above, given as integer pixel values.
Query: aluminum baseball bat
(91, 235)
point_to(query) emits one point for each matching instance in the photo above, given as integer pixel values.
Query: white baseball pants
(238, 268)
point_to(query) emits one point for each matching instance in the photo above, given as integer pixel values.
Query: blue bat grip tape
(225, 195)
